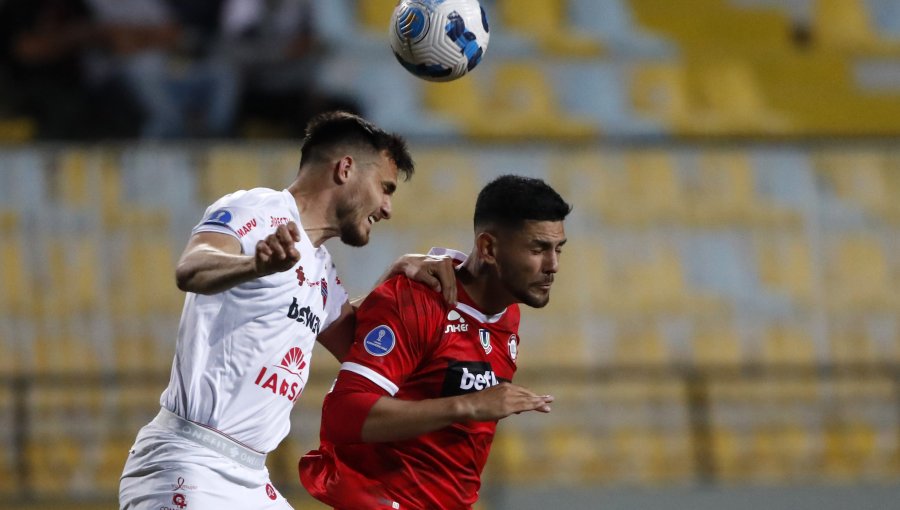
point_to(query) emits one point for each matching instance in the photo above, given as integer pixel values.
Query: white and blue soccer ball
(439, 40)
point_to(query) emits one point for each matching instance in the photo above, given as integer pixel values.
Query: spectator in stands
(182, 89)
(277, 48)
(42, 45)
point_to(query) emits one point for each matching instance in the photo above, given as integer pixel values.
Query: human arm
(213, 262)
(357, 410)
(436, 272)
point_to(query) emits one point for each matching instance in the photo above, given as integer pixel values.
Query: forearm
(392, 419)
(209, 271)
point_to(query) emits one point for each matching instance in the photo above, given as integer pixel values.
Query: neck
(315, 202)
(483, 287)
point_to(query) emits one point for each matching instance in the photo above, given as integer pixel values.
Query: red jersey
(411, 346)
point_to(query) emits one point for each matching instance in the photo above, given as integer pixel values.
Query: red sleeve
(346, 407)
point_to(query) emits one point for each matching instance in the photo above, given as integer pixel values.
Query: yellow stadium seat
(441, 195)
(546, 22)
(727, 192)
(641, 346)
(861, 178)
(53, 463)
(731, 453)
(858, 274)
(516, 456)
(731, 101)
(851, 344)
(17, 294)
(784, 265)
(847, 25)
(113, 454)
(375, 15)
(848, 447)
(574, 454)
(788, 344)
(228, 169)
(520, 103)
(659, 90)
(642, 188)
(716, 345)
(76, 179)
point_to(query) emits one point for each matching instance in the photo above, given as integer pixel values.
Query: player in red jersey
(412, 415)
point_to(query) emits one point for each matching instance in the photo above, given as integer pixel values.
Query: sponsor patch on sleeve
(218, 217)
(379, 341)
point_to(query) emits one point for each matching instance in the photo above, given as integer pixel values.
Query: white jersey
(242, 357)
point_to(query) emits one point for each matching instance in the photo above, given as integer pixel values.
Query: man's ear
(486, 245)
(342, 169)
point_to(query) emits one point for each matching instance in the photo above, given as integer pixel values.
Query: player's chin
(358, 236)
(536, 297)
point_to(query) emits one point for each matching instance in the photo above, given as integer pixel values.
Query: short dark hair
(332, 129)
(510, 200)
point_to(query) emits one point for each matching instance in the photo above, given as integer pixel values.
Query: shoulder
(407, 295)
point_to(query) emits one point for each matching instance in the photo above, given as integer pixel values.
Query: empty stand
(546, 23)
(518, 103)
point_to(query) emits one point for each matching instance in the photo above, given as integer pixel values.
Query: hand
(436, 272)
(277, 252)
(502, 400)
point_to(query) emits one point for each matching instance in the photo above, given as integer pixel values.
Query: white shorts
(166, 471)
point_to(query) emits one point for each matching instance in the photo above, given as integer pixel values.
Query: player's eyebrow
(545, 245)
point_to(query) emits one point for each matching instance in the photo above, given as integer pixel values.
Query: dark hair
(510, 200)
(333, 129)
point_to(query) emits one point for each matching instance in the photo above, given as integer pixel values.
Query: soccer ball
(439, 40)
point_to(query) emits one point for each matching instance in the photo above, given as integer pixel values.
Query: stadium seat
(726, 192)
(645, 190)
(784, 266)
(17, 294)
(716, 345)
(786, 344)
(546, 22)
(53, 464)
(851, 344)
(441, 196)
(847, 25)
(228, 169)
(641, 347)
(518, 103)
(848, 447)
(860, 178)
(858, 274)
(375, 15)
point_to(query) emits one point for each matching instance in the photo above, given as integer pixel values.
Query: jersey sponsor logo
(513, 347)
(219, 217)
(460, 326)
(304, 316)
(379, 341)
(293, 363)
(467, 377)
(485, 337)
(274, 222)
(244, 230)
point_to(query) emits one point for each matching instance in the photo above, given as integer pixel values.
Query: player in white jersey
(261, 290)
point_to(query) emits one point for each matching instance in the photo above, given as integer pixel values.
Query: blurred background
(725, 327)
